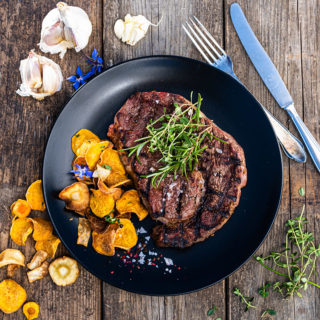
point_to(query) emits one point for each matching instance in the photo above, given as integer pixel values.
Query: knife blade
(272, 79)
(261, 61)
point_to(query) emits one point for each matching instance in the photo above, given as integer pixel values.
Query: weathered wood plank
(276, 26)
(24, 128)
(168, 38)
(309, 12)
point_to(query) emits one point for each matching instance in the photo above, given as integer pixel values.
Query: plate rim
(66, 103)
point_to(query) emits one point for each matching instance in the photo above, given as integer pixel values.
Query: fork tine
(201, 42)
(205, 39)
(209, 35)
(196, 44)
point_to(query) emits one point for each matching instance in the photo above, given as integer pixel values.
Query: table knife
(272, 78)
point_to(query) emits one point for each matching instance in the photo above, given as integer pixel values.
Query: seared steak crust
(190, 209)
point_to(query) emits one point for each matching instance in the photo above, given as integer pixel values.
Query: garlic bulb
(63, 28)
(132, 29)
(41, 77)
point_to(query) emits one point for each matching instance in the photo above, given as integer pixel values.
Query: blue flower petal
(76, 85)
(100, 60)
(99, 69)
(72, 79)
(79, 71)
(94, 54)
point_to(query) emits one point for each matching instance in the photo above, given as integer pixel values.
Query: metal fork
(217, 57)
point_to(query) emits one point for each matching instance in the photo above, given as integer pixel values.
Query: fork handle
(308, 139)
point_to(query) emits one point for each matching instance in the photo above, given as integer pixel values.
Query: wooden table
(288, 30)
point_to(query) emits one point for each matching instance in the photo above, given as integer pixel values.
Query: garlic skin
(65, 27)
(132, 29)
(40, 76)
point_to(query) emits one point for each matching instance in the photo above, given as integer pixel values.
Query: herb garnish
(302, 192)
(263, 291)
(246, 300)
(298, 259)
(212, 310)
(111, 220)
(268, 311)
(106, 166)
(178, 138)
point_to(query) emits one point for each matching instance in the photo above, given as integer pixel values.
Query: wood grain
(288, 30)
(24, 128)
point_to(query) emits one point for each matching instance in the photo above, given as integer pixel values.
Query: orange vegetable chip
(80, 137)
(130, 202)
(126, 236)
(20, 208)
(116, 179)
(110, 157)
(42, 229)
(11, 269)
(84, 232)
(101, 204)
(93, 153)
(12, 296)
(82, 150)
(50, 246)
(31, 310)
(20, 230)
(103, 243)
(76, 197)
(34, 196)
(115, 192)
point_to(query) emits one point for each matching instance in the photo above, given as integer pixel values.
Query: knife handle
(308, 139)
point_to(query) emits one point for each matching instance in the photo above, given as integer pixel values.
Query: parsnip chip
(101, 204)
(20, 208)
(11, 269)
(42, 229)
(11, 256)
(50, 246)
(126, 236)
(130, 202)
(103, 243)
(115, 192)
(34, 196)
(110, 157)
(36, 261)
(102, 172)
(38, 273)
(76, 197)
(20, 230)
(80, 137)
(93, 153)
(84, 232)
(81, 161)
(12, 296)
(64, 271)
(31, 310)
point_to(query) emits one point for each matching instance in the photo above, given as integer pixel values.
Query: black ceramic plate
(232, 108)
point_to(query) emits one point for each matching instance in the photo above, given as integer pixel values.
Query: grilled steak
(191, 209)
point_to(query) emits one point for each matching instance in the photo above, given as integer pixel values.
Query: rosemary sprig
(178, 137)
(297, 261)
(244, 299)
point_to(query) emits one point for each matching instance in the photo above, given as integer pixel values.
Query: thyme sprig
(178, 137)
(297, 261)
(244, 299)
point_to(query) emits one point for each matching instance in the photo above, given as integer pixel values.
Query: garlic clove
(41, 77)
(132, 29)
(32, 71)
(63, 28)
(119, 28)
